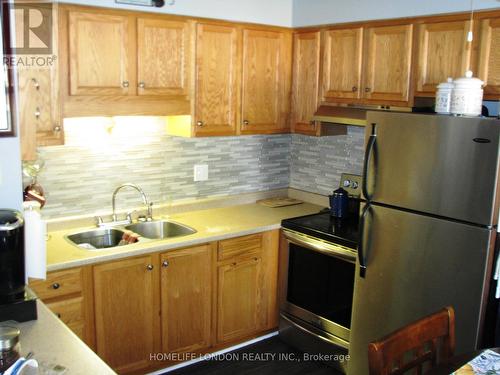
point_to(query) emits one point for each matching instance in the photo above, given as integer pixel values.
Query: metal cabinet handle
(149, 267)
(125, 84)
(165, 264)
(199, 123)
(37, 113)
(56, 286)
(367, 89)
(354, 89)
(57, 129)
(35, 83)
(245, 122)
(142, 85)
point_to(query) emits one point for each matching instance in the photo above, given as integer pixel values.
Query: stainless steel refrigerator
(428, 225)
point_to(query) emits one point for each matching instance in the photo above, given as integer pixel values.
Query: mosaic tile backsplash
(80, 179)
(316, 163)
(99, 155)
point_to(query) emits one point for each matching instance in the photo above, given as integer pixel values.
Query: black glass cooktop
(323, 226)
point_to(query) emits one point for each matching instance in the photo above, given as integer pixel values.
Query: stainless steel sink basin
(101, 238)
(160, 229)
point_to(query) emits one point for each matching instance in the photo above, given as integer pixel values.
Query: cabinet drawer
(70, 311)
(246, 246)
(60, 283)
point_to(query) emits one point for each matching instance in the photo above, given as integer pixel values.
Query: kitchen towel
(35, 250)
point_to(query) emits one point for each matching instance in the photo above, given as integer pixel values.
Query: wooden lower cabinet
(186, 299)
(127, 312)
(247, 287)
(191, 300)
(238, 307)
(68, 294)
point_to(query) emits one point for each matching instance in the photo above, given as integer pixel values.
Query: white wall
(317, 12)
(10, 174)
(272, 12)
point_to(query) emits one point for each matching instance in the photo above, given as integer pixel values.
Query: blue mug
(339, 201)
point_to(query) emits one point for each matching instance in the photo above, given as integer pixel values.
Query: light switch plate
(201, 172)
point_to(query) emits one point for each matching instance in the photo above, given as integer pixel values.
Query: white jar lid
(468, 82)
(448, 85)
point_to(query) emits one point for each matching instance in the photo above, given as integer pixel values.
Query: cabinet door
(342, 64)
(305, 81)
(186, 295)
(266, 77)
(489, 57)
(127, 312)
(388, 55)
(98, 54)
(443, 52)
(38, 113)
(216, 80)
(163, 51)
(39, 102)
(238, 299)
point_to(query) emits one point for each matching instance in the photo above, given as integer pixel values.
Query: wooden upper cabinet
(342, 61)
(388, 63)
(488, 64)
(266, 81)
(217, 62)
(99, 47)
(127, 312)
(305, 86)
(38, 101)
(443, 51)
(162, 57)
(38, 111)
(186, 299)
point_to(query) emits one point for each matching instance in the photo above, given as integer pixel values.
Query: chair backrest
(428, 341)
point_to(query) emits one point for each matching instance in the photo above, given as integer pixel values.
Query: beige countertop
(53, 343)
(211, 225)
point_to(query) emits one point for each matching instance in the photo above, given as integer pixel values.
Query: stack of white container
(462, 96)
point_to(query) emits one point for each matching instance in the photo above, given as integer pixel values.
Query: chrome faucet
(148, 204)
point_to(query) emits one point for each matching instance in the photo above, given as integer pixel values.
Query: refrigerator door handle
(361, 250)
(368, 153)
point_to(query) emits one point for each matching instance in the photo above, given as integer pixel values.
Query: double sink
(108, 237)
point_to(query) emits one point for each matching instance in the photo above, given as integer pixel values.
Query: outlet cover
(201, 172)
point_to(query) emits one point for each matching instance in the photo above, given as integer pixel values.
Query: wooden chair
(415, 345)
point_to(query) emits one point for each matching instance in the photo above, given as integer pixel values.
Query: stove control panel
(351, 183)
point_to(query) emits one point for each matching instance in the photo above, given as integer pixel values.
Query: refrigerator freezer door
(415, 266)
(442, 165)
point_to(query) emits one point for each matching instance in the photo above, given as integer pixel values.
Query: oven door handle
(310, 243)
(330, 339)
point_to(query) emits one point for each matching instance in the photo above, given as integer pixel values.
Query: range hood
(349, 115)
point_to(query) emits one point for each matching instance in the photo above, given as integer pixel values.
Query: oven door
(317, 285)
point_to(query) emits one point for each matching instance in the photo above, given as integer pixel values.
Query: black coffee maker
(16, 301)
